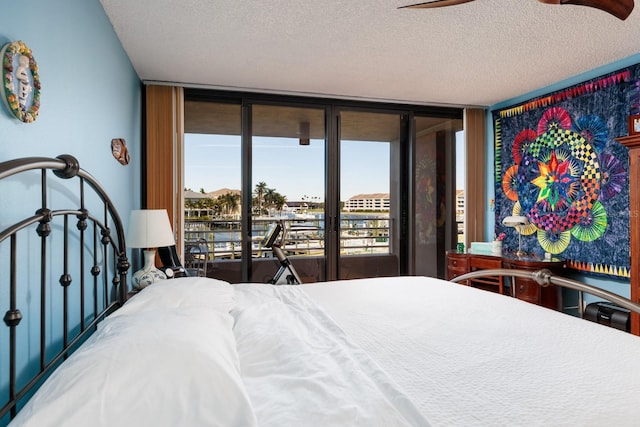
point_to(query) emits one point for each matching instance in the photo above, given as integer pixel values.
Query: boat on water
(303, 229)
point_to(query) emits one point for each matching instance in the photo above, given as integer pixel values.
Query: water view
(303, 234)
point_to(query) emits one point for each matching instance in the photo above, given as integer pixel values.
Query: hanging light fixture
(303, 133)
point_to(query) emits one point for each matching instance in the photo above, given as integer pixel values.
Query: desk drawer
(482, 263)
(526, 290)
(455, 272)
(460, 263)
(457, 265)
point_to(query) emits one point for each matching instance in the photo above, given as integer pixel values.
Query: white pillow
(150, 366)
(182, 293)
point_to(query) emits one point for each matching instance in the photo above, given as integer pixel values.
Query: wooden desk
(525, 289)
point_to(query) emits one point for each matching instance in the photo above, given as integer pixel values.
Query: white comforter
(300, 369)
(386, 352)
(469, 357)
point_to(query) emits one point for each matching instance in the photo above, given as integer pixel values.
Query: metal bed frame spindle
(108, 230)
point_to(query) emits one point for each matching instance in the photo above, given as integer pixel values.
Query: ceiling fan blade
(621, 9)
(434, 3)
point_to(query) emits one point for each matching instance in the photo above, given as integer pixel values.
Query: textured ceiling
(477, 53)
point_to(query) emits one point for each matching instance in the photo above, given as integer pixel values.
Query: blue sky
(213, 162)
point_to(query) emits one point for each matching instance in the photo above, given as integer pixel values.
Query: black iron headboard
(91, 279)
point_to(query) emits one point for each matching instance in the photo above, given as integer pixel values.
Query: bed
(401, 351)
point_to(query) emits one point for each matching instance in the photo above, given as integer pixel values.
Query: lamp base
(520, 253)
(149, 274)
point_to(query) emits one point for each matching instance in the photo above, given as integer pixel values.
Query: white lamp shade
(515, 221)
(149, 228)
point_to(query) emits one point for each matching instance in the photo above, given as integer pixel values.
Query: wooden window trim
(163, 173)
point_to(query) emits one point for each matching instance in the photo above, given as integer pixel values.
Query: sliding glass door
(369, 194)
(362, 190)
(437, 210)
(213, 185)
(287, 182)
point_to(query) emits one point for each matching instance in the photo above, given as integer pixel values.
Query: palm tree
(208, 204)
(189, 206)
(274, 200)
(269, 195)
(217, 207)
(200, 204)
(261, 188)
(230, 202)
(279, 201)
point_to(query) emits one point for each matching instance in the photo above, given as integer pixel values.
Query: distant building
(459, 205)
(368, 202)
(460, 213)
(192, 202)
(194, 195)
(295, 207)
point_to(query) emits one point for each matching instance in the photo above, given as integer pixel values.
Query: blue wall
(90, 95)
(90, 92)
(618, 286)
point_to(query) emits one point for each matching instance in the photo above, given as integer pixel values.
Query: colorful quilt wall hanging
(557, 162)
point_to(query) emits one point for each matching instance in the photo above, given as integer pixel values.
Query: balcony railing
(359, 235)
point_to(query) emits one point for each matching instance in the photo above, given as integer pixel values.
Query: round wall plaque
(20, 81)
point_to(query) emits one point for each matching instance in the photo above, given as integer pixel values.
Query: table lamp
(149, 229)
(517, 222)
